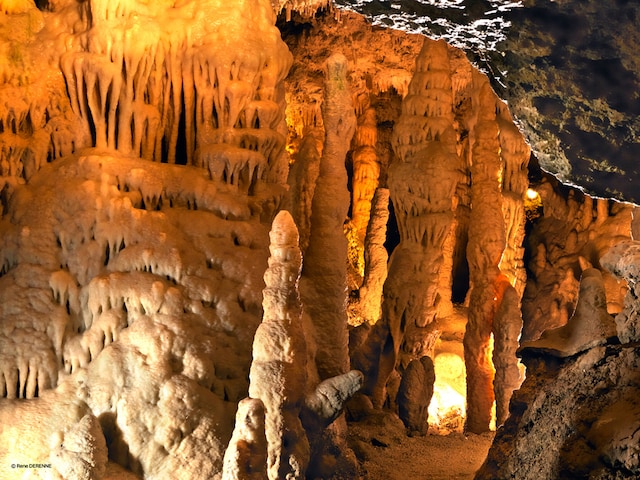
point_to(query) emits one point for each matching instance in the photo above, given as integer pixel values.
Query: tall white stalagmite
(278, 371)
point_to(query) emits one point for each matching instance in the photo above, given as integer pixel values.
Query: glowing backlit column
(376, 258)
(484, 250)
(366, 171)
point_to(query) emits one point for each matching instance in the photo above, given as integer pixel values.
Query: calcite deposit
(224, 224)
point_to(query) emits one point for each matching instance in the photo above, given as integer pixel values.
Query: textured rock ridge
(577, 413)
(589, 326)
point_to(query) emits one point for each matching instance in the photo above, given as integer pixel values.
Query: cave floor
(431, 457)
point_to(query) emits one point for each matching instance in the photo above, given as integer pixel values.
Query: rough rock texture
(572, 418)
(623, 261)
(571, 78)
(82, 451)
(131, 284)
(589, 326)
(414, 395)
(577, 415)
(569, 231)
(58, 431)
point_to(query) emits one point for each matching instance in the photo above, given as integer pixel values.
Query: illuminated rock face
(457, 186)
(577, 412)
(622, 260)
(572, 234)
(142, 162)
(130, 282)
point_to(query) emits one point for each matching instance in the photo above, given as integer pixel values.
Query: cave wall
(145, 152)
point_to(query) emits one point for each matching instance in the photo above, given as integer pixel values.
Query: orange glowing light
(447, 407)
(532, 194)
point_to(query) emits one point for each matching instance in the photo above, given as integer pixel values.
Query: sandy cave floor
(432, 457)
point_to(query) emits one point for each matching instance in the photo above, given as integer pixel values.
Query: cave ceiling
(569, 70)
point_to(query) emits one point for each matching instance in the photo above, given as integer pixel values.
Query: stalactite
(302, 182)
(366, 171)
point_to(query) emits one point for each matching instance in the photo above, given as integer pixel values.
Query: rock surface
(572, 418)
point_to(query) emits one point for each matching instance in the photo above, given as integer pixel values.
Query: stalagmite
(487, 241)
(507, 326)
(282, 373)
(422, 184)
(246, 455)
(278, 371)
(375, 259)
(366, 171)
(323, 286)
(414, 395)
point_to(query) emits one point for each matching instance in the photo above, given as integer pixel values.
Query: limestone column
(422, 183)
(507, 326)
(323, 286)
(484, 250)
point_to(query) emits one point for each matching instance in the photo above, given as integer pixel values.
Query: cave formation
(232, 233)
